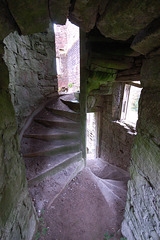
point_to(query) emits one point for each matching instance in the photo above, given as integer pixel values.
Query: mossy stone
(96, 79)
(123, 19)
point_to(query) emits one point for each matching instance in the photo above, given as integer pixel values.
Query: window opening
(129, 113)
(67, 57)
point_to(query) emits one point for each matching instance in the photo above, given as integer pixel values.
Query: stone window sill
(129, 129)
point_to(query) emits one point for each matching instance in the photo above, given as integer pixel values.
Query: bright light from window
(131, 97)
(58, 66)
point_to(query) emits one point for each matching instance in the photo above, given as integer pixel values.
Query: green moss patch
(96, 79)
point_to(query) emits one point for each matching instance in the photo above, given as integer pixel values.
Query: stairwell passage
(51, 148)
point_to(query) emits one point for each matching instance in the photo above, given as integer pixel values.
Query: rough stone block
(100, 44)
(30, 60)
(6, 23)
(126, 231)
(150, 73)
(84, 13)
(123, 19)
(149, 115)
(109, 62)
(30, 16)
(99, 78)
(14, 223)
(147, 39)
(142, 208)
(59, 11)
(146, 156)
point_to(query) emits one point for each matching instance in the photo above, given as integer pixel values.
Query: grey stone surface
(123, 19)
(59, 10)
(142, 216)
(142, 213)
(149, 109)
(84, 13)
(31, 17)
(146, 156)
(32, 70)
(147, 39)
(5, 20)
(117, 138)
(17, 216)
(150, 73)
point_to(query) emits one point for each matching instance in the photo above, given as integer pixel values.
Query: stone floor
(91, 205)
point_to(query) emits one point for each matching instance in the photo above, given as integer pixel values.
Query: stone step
(115, 185)
(53, 185)
(72, 104)
(38, 128)
(49, 115)
(115, 175)
(59, 124)
(36, 145)
(106, 171)
(53, 150)
(51, 166)
(68, 114)
(113, 191)
(54, 136)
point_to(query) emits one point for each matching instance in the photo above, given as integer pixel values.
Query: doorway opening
(67, 44)
(92, 135)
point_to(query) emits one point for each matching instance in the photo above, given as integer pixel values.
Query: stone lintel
(128, 78)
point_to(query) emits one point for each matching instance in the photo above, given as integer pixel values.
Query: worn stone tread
(35, 167)
(68, 114)
(33, 146)
(45, 114)
(61, 124)
(39, 128)
(54, 136)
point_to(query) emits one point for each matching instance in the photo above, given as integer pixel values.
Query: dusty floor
(90, 206)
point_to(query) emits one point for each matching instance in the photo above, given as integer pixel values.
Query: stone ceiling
(118, 20)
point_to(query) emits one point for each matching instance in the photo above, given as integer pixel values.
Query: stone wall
(73, 66)
(142, 214)
(61, 51)
(68, 54)
(17, 216)
(32, 70)
(117, 138)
